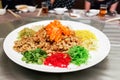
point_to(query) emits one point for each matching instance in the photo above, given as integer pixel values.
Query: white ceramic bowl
(23, 8)
(93, 12)
(51, 11)
(2, 11)
(60, 10)
(31, 8)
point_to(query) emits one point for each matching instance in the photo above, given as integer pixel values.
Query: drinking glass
(103, 11)
(44, 6)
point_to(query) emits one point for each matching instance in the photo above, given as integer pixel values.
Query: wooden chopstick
(14, 14)
(39, 12)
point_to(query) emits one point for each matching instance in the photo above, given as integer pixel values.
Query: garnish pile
(53, 45)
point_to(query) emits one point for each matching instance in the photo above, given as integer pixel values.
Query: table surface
(108, 69)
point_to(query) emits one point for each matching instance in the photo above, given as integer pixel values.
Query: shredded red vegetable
(58, 59)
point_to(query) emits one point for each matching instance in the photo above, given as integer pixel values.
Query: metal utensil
(6, 7)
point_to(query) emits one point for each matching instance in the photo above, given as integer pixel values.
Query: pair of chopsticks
(14, 14)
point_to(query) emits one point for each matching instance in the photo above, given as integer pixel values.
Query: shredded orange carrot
(58, 35)
(55, 30)
(53, 33)
(65, 30)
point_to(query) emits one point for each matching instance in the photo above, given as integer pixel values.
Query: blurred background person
(0, 4)
(60, 3)
(95, 4)
(11, 3)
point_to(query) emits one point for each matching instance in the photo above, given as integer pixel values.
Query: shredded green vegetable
(26, 32)
(78, 54)
(34, 56)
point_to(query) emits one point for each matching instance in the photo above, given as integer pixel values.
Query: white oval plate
(23, 8)
(96, 56)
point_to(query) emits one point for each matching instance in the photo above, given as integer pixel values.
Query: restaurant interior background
(109, 69)
(79, 4)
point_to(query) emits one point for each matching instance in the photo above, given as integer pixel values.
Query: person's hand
(112, 13)
(86, 12)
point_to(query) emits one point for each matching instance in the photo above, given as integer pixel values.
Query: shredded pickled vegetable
(26, 32)
(58, 59)
(87, 38)
(79, 55)
(85, 35)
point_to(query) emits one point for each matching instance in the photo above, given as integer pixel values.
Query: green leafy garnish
(34, 56)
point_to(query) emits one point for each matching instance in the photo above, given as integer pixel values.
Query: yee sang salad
(55, 45)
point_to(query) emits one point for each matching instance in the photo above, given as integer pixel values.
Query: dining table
(107, 69)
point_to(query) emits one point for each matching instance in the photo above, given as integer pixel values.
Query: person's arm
(87, 6)
(52, 1)
(113, 7)
(69, 3)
